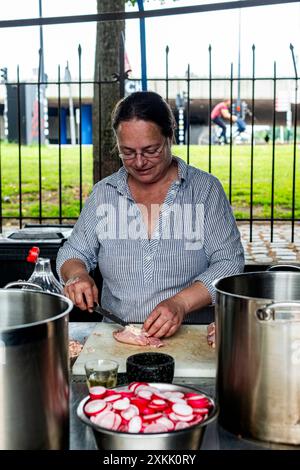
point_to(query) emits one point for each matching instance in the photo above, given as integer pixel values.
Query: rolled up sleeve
(222, 243)
(83, 243)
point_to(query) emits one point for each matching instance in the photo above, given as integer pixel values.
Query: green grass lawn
(50, 179)
(240, 196)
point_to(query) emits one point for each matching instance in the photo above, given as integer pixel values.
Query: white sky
(270, 28)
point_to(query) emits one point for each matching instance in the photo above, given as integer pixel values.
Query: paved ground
(262, 250)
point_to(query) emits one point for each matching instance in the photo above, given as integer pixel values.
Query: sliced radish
(147, 411)
(182, 409)
(178, 394)
(114, 397)
(198, 419)
(146, 388)
(107, 421)
(173, 417)
(197, 402)
(97, 419)
(201, 411)
(152, 416)
(194, 395)
(146, 394)
(141, 403)
(94, 407)
(130, 412)
(171, 394)
(158, 404)
(121, 404)
(186, 419)
(176, 400)
(97, 392)
(123, 428)
(135, 424)
(166, 422)
(181, 425)
(111, 391)
(126, 394)
(133, 386)
(117, 423)
(155, 427)
(158, 395)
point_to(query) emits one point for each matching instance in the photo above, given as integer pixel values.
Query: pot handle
(283, 267)
(279, 311)
(22, 283)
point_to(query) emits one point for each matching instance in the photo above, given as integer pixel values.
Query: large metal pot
(34, 372)
(258, 344)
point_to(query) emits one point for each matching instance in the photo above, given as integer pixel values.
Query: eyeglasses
(150, 153)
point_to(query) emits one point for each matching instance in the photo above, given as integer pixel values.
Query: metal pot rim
(40, 322)
(246, 297)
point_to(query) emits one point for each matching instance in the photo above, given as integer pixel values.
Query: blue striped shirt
(195, 239)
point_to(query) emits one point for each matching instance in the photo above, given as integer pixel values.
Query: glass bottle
(44, 277)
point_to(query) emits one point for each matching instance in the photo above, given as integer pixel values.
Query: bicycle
(238, 128)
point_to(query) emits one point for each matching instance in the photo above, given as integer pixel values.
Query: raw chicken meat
(136, 336)
(211, 335)
(75, 348)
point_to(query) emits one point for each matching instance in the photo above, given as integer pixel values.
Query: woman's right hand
(82, 290)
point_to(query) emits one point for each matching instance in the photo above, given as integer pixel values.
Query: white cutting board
(193, 357)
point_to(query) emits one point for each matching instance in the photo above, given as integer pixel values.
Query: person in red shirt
(219, 113)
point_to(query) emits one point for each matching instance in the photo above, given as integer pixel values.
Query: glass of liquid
(101, 372)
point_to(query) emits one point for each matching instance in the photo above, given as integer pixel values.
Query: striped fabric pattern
(138, 273)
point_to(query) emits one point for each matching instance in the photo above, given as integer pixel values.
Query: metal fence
(21, 202)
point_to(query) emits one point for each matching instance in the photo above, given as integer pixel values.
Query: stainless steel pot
(185, 439)
(258, 350)
(34, 372)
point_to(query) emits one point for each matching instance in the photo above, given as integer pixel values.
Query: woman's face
(149, 149)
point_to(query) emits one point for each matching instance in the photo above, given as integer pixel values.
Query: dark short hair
(146, 106)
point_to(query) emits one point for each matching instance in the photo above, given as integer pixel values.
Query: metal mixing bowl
(184, 439)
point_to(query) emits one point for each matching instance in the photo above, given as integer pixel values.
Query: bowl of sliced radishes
(148, 416)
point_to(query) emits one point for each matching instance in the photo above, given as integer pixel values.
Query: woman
(160, 230)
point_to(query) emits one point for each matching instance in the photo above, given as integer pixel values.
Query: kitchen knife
(110, 316)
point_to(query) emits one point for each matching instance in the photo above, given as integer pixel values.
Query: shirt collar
(182, 169)
(119, 179)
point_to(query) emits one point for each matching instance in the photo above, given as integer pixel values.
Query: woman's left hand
(165, 319)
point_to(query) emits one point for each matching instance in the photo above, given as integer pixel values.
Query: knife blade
(110, 316)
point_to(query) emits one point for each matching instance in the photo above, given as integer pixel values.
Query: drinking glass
(101, 372)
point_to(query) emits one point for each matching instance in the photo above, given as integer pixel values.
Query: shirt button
(148, 258)
(173, 191)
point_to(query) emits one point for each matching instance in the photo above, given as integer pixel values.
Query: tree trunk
(105, 159)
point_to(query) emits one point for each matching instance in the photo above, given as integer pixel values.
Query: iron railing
(186, 85)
